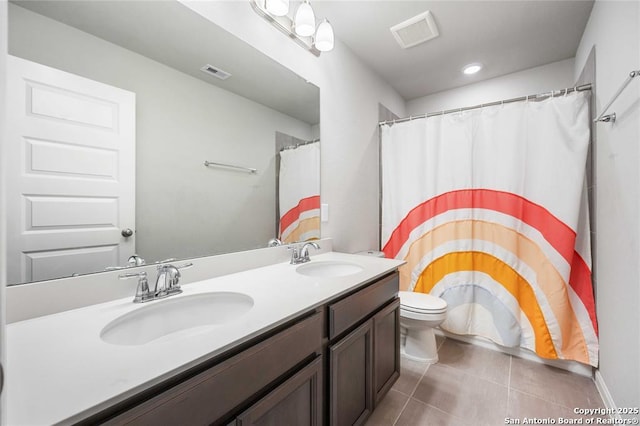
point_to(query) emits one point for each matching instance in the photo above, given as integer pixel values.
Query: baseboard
(572, 366)
(603, 390)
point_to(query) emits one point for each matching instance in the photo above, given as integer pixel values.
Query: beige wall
(614, 30)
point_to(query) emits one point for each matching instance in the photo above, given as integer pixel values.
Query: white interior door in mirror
(70, 173)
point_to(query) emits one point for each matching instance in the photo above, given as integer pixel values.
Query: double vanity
(315, 343)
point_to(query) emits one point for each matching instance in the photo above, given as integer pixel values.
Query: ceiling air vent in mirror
(216, 72)
(415, 30)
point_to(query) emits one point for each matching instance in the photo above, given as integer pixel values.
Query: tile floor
(476, 386)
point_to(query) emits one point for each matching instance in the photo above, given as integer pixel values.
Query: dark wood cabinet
(351, 377)
(213, 395)
(386, 352)
(298, 401)
(364, 363)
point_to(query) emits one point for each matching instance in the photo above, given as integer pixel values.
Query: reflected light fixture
(324, 36)
(299, 26)
(305, 21)
(277, 7)
(472, 68)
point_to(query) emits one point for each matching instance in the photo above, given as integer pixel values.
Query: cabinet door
(351, 381)
(298, 401)
(386, 344)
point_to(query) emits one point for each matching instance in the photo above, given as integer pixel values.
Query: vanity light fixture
(472, 68)
(324, 36)
(277, 7)
(301, 28)
(304, 22)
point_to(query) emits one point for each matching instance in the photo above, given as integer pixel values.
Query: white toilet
(419, 314)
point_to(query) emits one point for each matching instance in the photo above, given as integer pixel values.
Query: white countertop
(60, 371)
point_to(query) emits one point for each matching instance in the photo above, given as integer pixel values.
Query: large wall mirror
(150, 53)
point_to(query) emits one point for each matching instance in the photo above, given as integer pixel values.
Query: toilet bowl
(419, 314)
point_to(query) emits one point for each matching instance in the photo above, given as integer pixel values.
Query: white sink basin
(159, 319)
(329, 269)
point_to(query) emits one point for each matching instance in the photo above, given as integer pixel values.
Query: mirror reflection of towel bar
(229, 166)
(611, 118)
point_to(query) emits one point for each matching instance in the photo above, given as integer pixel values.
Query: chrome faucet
(274, 242)
(167, 283)
(135, 260)
(303, 255)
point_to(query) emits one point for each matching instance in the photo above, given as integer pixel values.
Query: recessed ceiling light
(472, 68)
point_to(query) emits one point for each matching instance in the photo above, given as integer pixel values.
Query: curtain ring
(527, 100)
(566, 91)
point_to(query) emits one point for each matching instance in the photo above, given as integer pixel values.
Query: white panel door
(70, 173)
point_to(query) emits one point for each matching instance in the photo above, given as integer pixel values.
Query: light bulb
(324, 36)
(305, 20)
(277, 7)
(472, 68)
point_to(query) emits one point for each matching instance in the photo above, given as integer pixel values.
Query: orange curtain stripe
(501, 273)
(548, 278)
(559, 235)
(305, 225)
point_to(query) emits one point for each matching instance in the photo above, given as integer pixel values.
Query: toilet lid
(414, 301)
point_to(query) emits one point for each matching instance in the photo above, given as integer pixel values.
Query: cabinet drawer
(298, 401)
(210, 395)
(350, 310)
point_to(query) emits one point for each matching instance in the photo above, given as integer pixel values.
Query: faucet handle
(294, 254)
(139, 275)
(142, 291)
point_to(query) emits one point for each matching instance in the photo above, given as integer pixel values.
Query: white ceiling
(506, 36)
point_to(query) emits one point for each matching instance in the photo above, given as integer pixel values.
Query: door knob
(127, 232)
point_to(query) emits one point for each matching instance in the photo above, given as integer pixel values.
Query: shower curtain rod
(539, 96)
(299, 144)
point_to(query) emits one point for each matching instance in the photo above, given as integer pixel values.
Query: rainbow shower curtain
(299, 193)
(488, 207)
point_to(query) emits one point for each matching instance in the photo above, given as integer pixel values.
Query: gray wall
(183, 208)
(3, 66)
(349, 96)
(614, 30)
(556, 75)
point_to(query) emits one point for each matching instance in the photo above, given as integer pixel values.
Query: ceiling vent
(216, 72)
(415, 30)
